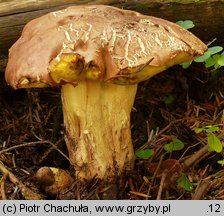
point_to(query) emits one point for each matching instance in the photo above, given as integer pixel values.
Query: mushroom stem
(97, 124)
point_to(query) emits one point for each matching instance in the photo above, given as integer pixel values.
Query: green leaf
(216, 57)
(144, 153)
(208, 53)
(186, 65)
(221, 162)
(211, 128)
(184, 182)
(174, 145)
(168, 99)
(203, 58)
(216, 66)
(214, 50)
(198, 130)
(214, 143)
(220, 61)
(207, 129)
(209, 62)
(187, 24)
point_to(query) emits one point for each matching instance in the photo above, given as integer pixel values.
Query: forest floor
(170, 105)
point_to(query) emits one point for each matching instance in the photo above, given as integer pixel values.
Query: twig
(34, 143)
(159, 133)
(48, 151)
(139, 194)
(202, 189)
(155, 173)
(27, 193)
(159, 195)
(2, 182)
(195, 158)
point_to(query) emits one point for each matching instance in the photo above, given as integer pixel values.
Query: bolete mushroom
(97, 54)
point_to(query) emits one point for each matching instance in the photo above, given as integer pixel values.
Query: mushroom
(53, 180)
(97, 54)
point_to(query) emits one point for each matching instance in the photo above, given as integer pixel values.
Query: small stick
(35, 143)
(195, 157)
(159, 195)
(139, 194)
(201, 189)
(153, 138)
(2, 182)
(48, 151)
(27, 193)
(155, 173)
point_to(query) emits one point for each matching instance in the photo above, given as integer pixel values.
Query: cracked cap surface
(97, 42)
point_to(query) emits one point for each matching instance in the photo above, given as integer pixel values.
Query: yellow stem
(97, 123)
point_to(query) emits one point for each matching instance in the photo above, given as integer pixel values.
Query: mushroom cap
(97, 42)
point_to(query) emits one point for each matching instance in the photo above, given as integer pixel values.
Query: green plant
(187, 24)
(168, 99)
(214, 143)
(174, 145)
(144, 153)
(213, 57)
(221, 162)
(184, 182)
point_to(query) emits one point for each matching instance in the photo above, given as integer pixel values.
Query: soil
(170, 105)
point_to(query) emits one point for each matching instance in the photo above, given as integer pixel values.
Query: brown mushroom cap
(117, 43)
